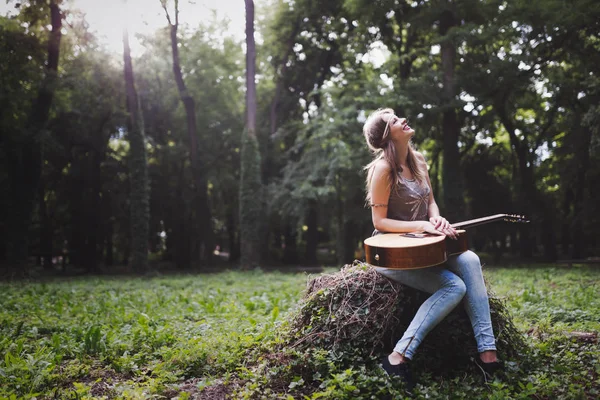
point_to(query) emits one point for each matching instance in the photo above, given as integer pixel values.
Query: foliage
(162, 330)
(129, 337)
(26, 145)
(562, 299)
(511, 89)
(524, 95)
(526, 102)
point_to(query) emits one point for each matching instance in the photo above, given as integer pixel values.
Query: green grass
(564, 298)
(139, 338)
(161, 330)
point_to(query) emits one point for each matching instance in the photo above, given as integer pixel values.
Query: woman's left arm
(440, 223)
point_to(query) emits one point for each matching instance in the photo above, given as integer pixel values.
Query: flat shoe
(489, 369)
(401, 370)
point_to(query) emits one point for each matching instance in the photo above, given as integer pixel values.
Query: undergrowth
(211, 336)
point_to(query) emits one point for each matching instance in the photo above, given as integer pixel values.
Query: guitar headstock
(516, 218)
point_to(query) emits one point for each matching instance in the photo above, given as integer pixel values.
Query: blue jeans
(460, 277)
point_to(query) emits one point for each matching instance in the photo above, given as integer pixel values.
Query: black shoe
(401, 370)
(489, 369)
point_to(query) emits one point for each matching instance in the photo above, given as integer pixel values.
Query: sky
(108, 17)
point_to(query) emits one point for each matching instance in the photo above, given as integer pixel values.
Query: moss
(251, 202)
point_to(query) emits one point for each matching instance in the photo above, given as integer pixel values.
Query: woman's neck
(401, 151)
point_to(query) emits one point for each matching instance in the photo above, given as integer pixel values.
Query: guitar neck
(479, 221)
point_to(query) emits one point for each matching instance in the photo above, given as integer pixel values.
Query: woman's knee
(469, 258)
(456, 285)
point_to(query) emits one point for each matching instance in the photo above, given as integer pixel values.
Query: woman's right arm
(380, 195)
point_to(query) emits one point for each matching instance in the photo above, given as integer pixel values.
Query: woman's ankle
(488, 356)
(396, 358)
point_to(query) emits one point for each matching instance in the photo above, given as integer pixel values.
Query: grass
(162, 337)
(563, 298)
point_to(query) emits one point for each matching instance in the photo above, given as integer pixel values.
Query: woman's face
(398, 126)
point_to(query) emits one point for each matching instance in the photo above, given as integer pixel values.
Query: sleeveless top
(409, 202)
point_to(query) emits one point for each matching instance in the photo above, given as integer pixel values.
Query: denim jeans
(460, 277)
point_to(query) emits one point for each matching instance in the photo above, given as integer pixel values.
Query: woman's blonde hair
(377, 135)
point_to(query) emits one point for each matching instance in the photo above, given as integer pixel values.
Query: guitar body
(421, 250)
(460, 245)
(398, 251)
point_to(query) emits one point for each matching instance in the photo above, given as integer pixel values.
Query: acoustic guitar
(421, 250)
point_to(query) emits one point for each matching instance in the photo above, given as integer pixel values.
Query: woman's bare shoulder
(381, 170)
(421, 163)
(419, 156)
(382, 165)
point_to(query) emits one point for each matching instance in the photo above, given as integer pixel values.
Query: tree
(516, 71)
(138, 164)
(201, 203)
(25, 160)
(453, 185)
(251, 192)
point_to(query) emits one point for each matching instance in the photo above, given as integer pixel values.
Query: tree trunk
(96, 216)
(250, 71)
(452, 183)
(566, 223)
(45, 230)
(275, 103)
(312, 238)
(26, 170)
(346, 228)
(251, 207)
(582, 151)
(340, 250)
(109, 257)
(527, 192)
(138, 164)
(233, 238)
(346, 242)
(178, 249)
(77, 235)
(94, 204)
(204, 214)
(290, 251)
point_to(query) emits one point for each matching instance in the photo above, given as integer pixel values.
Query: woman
(401, 199)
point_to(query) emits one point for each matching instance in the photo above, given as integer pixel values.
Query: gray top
(409, 202)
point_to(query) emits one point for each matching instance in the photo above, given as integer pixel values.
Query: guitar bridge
(414, 235)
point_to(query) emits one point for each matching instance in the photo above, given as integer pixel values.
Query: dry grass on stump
(358, 312)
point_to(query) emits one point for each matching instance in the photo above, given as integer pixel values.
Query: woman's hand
(430, 228)
(441, 224)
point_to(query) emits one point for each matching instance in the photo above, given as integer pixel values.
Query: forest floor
(200, 336)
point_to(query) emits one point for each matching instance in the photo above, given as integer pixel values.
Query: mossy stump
(358, 313)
